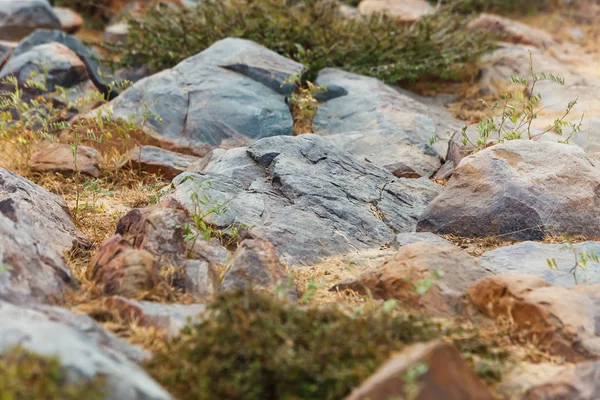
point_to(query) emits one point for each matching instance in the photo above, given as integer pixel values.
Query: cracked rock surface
(307, 196)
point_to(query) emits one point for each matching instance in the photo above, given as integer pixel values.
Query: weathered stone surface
(513, 31)
(520, 189)
(231, 92)
(59, 158)
(18, 18)
(381, 124)
(402, 239)
(531, 258)
(580, 381)
(166, 317)
(70, 21)
(83, 354)
(402, 277)
(200, 279)
(65, 68)
(316, 199)
(442, 374)
(404, 10)
(560, 320)
(158, 230)
(89, 57)
(158, 161)
(255, 264)
(121, 269)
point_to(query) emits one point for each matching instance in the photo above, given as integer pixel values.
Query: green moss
(313, 32)
(252, 346)
(25, 375)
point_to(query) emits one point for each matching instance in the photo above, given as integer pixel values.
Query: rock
(578, 381)
(375, 122)
(158, 161)
(559, 320)
(407, 11)
(429, 363)
(513, 31)
(200, 279)
(116, 33)
(431, 278)
(158, 230)
(6, 49)
(402, 239)
(531, 258)
(83, 354)
(576, 34)
(316, 199)
(230, 93)
(36, 230)
(18, 18)
(121, 269)
(89, 57)
(70, 21)
(58, 157)
(520, 189)
(65, 69)
(166, 317)
(255, 264)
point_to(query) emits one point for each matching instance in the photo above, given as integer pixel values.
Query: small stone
(158, 161)
(407, 11)
(200, 279)
(18, 18)
(56, 157)
(440, 373)
(70, 21)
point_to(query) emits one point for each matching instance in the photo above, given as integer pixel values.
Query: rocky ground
(196, 233)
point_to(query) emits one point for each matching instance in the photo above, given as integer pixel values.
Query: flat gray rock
(381, 124)
(229, 95)
(520, 189)
(531, 258)
(158, 161)
(18, 18)
(308, 197)
(84, 356)
(35, 231)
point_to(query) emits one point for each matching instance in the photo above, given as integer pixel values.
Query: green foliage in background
(313, 32)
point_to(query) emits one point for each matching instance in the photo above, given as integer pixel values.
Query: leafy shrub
(251, 346)
(25, 375)
(313, 32)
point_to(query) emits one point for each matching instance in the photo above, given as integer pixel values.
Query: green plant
(251, 346)
(303, 103)
(26, 375)
(518, 112)
(422, 286)
(313, 32)
(581, 258)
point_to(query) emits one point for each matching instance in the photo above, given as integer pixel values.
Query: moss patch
(25, 375)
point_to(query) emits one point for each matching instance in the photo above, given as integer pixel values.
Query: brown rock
(122, 269)
(405, 10)
(158, 161)
(200, 279)
(255, 264)
(58, 157)
(413, 268)
(70, 21)
(438, 371)
(575, 382)
(513, 31)
(559, 320)
(158, 230)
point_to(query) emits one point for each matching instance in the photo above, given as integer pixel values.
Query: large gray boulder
(18, 18)
(307, 196)
(520, 189)
(381, 124)
(54, 333)
(228, 95)
(531, 258)
(35, 231)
